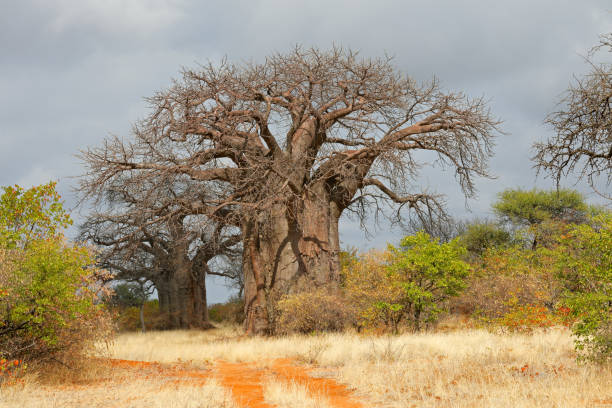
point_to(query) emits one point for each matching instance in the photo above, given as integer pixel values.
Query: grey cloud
(72, 71)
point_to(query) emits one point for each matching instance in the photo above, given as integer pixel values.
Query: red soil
(245, 382)
(175, 373)
(338, 395)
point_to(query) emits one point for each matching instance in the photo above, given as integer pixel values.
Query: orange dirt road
(246, 380)
(245, 383)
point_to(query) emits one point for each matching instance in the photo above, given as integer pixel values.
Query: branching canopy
(583, 125)
(260, 134)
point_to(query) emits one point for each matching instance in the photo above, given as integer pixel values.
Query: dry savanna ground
(222, 368)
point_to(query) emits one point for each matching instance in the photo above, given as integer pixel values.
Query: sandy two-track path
(246, 381)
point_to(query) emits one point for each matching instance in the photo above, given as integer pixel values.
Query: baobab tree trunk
(180, 292)
(200, 307)
(298, 251)
(173, 305)
(187, 295)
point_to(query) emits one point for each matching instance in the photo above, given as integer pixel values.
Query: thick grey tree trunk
(185, 296)
(173, 304)
(200, 307)
(293, 254)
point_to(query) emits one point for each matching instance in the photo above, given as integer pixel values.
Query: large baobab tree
(582, 143)
(292, 143)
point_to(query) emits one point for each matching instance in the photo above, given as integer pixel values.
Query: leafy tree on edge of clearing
(428, 273)
(584, 264)
(48, 293)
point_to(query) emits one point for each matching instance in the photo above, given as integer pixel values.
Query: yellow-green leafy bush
(50, 307)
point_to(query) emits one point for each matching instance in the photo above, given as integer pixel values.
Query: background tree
(479, 236)
(147, 234)
(445, 228)
(534, 208)
(294, 142)
(583, 262)
(134, 293)
(583, 124)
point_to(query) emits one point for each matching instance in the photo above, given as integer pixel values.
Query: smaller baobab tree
(582, 143)
(147, 235)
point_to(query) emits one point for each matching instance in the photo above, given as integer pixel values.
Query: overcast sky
(74, 71)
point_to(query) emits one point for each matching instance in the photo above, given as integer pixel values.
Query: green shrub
(48, 302)
(428, 273)
(29, 215)
(50, 307)
(410, 285)
(481, 236)
(583, 262)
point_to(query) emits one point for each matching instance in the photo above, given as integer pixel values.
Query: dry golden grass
(462, 368)
(132, 393)
(291, 395)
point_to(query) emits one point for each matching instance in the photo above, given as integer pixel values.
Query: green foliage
(480, 236)
(525, 208)
(32, 214)
(48, 293)
(583, 261)
(428, 274)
